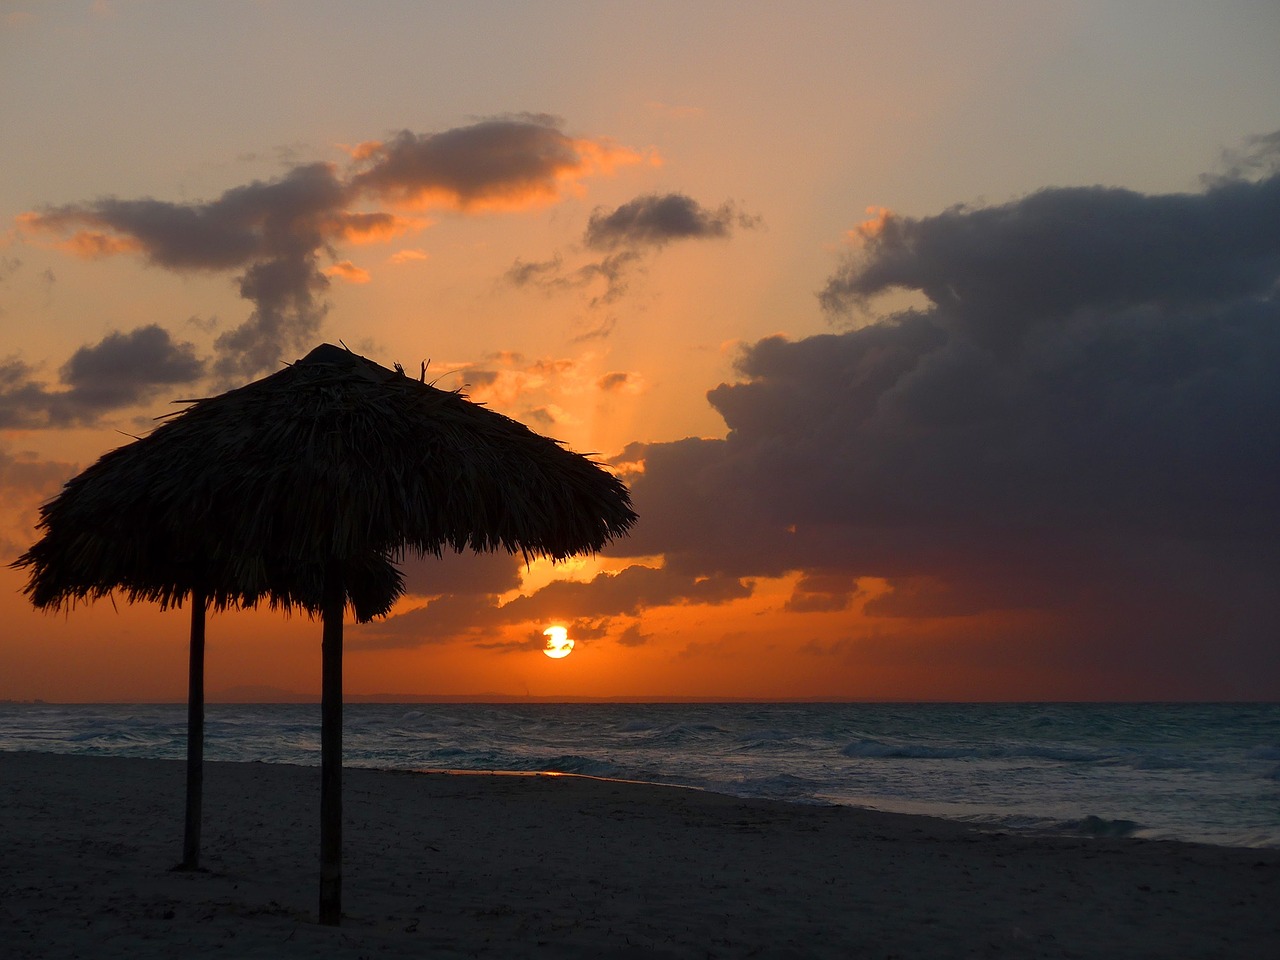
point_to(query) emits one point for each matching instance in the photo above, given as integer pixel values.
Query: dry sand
(441, 865)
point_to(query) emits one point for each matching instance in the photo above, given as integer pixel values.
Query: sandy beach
(450, 865)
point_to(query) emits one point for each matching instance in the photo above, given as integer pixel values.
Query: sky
(938, 344)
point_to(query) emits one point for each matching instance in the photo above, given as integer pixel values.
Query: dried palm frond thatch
(105, 533)
(297, 488)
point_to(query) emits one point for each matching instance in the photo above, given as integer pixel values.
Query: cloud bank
(120, 371)
(1081, 424)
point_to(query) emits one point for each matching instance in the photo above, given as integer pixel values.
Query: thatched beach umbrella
(336, 459)
(101, 536)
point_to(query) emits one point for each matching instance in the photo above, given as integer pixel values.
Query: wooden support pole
(195, 733)
(331, 750)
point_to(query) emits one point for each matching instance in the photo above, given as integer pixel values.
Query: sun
(558, 645)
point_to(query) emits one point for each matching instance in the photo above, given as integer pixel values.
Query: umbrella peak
(328, 353)
(351, 363)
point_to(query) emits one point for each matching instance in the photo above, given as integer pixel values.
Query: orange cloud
(363, 150)
(877, 219)
(373, 227)
(408, 256)
(347, 271)
(512, 384)
(94, 245)
(88, 244)
(605, 156)
(620, 381)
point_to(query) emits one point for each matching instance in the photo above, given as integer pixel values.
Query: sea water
(1207, 773)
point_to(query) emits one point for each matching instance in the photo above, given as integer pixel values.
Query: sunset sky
(939, 344)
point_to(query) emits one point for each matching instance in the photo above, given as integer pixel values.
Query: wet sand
(445, 865)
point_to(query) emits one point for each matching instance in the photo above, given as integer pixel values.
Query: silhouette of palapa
(299, 489)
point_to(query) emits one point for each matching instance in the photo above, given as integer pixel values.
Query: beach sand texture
(444, 865)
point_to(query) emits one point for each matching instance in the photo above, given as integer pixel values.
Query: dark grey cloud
(658, 219)
(1258, 157)
(120, 371)
(453, 615)
(823, 592)
(626, 235)
(615, 380)
(995, 272)
(271, 230)
(615, 270)
(625, 593)
(1080, 427)
(124, 368)
(497, 162)
(633, 636)
(581, 632)
(536, 273)
(592, 605)
(552, 276)
(274, 232)
(285, 321)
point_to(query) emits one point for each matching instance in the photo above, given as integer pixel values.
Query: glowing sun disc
(558, 645)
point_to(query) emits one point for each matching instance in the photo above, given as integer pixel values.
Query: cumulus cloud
(1080, 423)
(617, 381)
(995, 272)
(1258, 157)
(272, 231)
(347, 271)
(657, 220)
(625, 235)
(276, 232)
(120, 371)
(505, 163)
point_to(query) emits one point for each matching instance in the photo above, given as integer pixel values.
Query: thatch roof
(333, 463)
(86, 564)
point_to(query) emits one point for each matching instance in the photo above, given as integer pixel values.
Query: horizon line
(288, 699)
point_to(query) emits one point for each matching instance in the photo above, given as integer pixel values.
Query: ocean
(1207, 773)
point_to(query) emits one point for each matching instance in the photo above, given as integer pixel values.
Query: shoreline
(1203, 776)
(482, 864)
